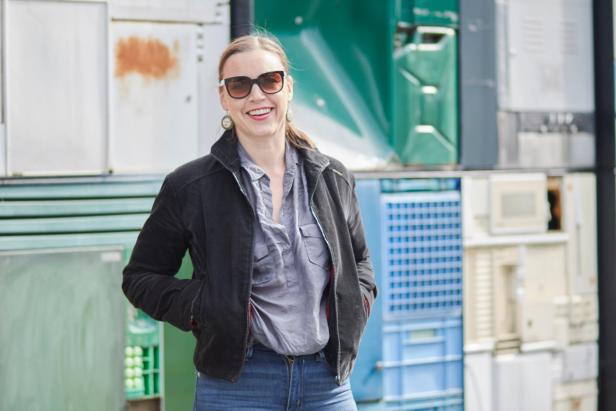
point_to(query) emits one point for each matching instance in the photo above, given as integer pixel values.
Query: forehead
(251, 63)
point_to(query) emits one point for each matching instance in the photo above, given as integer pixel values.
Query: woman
(282, 284)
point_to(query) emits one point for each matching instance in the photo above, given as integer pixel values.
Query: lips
(260, 113)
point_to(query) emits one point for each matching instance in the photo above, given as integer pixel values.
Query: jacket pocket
(263, 265)
(316, 247)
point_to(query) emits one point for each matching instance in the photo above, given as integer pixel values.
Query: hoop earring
(289, 115)
(227, 122)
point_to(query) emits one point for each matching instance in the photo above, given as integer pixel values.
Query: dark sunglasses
(241, 86)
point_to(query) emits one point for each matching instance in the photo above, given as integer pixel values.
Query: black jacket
(202, 207)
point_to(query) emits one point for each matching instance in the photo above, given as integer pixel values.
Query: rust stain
(149, 57)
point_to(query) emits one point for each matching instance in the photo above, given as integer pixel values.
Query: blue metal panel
(367, 380)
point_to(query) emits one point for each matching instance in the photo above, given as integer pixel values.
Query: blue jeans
(271, 381)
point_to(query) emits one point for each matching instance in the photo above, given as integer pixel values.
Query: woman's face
(258, 115)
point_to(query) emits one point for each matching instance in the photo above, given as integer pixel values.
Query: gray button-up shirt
(291, 262)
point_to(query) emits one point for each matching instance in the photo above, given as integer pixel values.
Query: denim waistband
(257, 346)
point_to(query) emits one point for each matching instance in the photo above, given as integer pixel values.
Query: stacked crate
(419, 274)
(530, 291)
(142, 356)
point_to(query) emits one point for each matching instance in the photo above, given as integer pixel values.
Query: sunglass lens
(270, 82)
(239, 86)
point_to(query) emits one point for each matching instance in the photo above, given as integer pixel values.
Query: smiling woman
(283, 284)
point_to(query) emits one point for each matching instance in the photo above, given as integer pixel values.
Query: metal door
(56, 87)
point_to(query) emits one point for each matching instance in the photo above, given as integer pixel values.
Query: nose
(256, 93)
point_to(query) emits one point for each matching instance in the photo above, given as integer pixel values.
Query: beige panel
(580, 222)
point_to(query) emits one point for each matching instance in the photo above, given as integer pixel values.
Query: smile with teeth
(260, 111)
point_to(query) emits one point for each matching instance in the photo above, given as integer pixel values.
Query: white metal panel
(548, 62)
(508, 289)
(198, 11)
(56, 67)
(478, 305)
(536, 149)
(475, 210)
(154, 96)
(580, 222)
(522, 382)
(580, 362)
(544, 278)
(584, 318)
(2, 150)
(478, 381)
(518, 203)
(215, 39)
(579, 396)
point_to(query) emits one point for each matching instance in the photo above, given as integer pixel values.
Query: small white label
(111, 257)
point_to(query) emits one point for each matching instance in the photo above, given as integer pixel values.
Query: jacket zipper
(334, 308)
(192, 307)
(246, 332)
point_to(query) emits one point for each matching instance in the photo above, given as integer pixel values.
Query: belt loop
(249, 352)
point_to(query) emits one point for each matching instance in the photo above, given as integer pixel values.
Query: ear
(222, 94)
(290, 87)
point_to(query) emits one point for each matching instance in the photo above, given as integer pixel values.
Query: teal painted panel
(442, 13)
(27, 242)
(342, 98)
(74, 207)
(426, 116)
(73, 224)
(80, 190)
(63, 338)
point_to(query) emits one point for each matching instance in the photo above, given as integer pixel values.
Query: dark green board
(178, 369)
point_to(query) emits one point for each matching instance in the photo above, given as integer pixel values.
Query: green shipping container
(379, 78)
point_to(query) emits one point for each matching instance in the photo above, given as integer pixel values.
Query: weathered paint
(148, 57)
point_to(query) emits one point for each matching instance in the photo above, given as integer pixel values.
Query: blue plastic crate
(421, 253)
(443, 402)
(423, 360)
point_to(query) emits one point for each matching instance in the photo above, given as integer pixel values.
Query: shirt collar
(255, 172)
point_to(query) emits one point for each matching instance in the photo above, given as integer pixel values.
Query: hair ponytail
(298, 138)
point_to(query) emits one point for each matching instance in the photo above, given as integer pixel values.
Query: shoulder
(340, 171)
(193, 172)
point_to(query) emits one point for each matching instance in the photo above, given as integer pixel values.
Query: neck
(266, 152)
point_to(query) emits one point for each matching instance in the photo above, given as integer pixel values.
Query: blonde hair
(261, 41)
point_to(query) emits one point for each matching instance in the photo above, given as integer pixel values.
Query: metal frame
(606, 197)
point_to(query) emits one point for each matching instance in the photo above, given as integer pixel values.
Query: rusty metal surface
(149, 57)
(154, 96)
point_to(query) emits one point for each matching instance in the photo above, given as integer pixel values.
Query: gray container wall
(543, 89)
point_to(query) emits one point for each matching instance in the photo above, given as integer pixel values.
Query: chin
(262, 132)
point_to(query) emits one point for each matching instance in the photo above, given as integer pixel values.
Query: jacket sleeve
(360, 249)
(149, 280)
